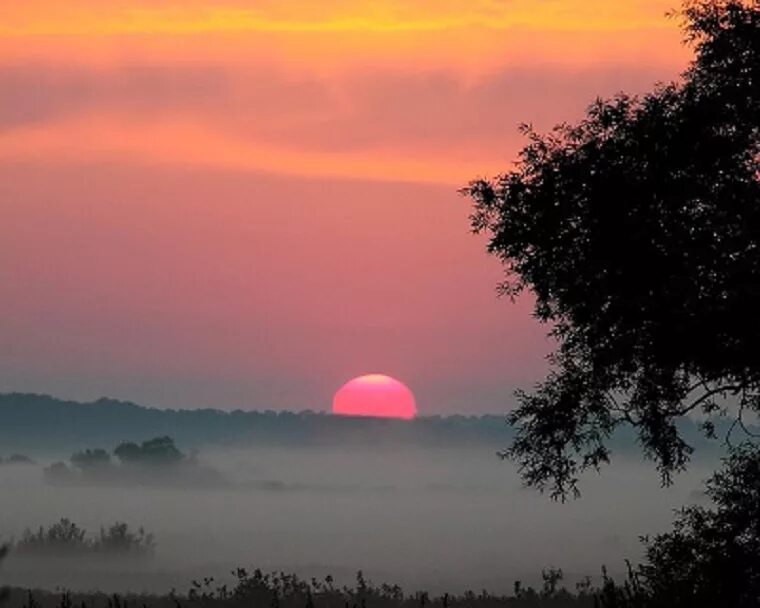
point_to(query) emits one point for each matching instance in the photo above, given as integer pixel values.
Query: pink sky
(217, 206)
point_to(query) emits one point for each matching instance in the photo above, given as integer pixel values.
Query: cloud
(388, 124)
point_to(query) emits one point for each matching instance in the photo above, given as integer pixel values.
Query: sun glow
(396, 91)
(375, 395)
(86, 18)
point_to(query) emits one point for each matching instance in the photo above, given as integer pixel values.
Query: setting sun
(375, 395)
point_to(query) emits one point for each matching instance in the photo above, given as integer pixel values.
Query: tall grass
(257, 589)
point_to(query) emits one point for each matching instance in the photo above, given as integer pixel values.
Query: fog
(435, 518)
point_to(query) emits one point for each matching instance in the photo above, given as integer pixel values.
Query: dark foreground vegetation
(279, 590)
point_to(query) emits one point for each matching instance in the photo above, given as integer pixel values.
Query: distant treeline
(43, 422)
(40, 422)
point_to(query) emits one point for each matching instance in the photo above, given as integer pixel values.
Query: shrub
(65, 538)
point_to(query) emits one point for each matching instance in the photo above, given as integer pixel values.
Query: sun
(375, 395)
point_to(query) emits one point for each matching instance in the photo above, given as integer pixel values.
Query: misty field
(445, 520)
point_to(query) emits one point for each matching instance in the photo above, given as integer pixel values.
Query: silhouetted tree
(119, 539)
(712, 556)
(4, 591)
(158, 451)
(128, 452)
(89, 459)
(638, 232)
(63, 536)
(66, 538)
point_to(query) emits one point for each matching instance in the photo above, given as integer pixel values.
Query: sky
(245, 204)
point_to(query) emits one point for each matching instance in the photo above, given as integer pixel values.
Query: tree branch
(733, 388)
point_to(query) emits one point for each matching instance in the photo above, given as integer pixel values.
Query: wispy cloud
(399, 125)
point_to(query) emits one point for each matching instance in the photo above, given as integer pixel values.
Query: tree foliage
(710, 558)
(638, 232)
(4, 591)
(91, 459)
(157, 451)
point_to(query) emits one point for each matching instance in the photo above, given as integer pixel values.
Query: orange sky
(244, 204)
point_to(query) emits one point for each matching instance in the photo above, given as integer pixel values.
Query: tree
(63, 536)
(118, 538)
(638, 232)
(711, 556)
(68, 539)
(4, 591)
(89, 460)
(157, 451)
(128, 452)
(161, 450)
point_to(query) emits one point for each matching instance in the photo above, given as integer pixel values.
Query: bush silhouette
(154, 452)
(711, 557)
(65, 538)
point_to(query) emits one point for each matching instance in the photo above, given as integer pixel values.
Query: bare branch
(720, 390)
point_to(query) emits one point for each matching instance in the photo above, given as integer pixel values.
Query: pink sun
(375, 395)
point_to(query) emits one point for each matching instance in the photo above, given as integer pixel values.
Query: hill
(49, 425)
(32, 421)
